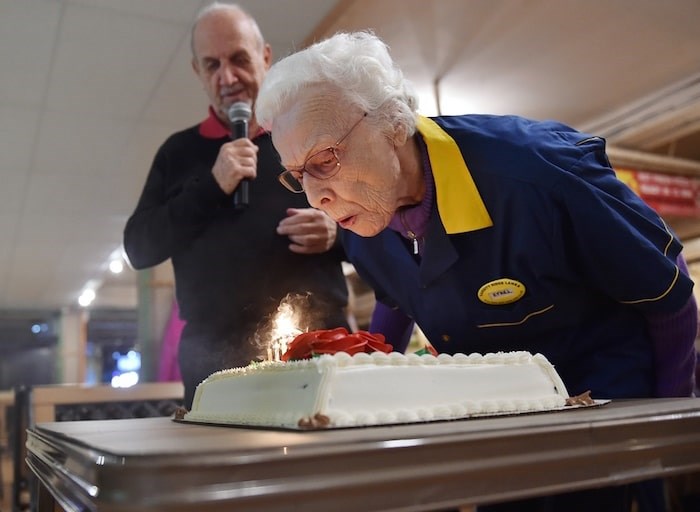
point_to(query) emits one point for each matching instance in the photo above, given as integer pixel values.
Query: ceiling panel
(79, 144)
(178, 98)
(18, 126)
(8, 227)
(12, 192)
(174, 11)
(28, 30)
(115, 73)
(73, 196)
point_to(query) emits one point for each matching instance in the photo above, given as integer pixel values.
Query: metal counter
(157, 464)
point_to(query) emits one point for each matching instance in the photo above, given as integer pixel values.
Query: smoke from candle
(290, 319)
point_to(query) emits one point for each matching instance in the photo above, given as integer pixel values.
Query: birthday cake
(332, 379)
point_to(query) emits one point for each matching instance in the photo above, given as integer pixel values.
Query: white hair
(357, 65)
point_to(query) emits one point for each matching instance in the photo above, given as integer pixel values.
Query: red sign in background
(667, 194)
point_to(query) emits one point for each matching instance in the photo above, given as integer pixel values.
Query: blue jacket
(534, 245)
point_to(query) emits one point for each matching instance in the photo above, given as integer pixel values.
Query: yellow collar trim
(458, 200)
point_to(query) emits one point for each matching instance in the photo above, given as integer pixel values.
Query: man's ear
(267, 55)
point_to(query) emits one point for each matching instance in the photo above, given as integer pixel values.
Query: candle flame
(284, 330)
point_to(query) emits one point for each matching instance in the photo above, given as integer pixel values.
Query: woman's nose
(317, 194)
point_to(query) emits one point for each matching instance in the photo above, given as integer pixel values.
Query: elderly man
(493, 233)
(233, 266)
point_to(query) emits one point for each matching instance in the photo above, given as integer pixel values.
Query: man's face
(230, 59)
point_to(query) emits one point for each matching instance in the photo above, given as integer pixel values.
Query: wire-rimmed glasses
(322, 165)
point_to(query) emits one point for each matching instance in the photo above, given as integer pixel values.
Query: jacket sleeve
(617, 243)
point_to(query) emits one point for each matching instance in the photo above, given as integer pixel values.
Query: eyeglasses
(322, 165)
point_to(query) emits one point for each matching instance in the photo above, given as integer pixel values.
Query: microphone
(239, 114)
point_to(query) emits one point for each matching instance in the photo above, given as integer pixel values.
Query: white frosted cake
(340, 390)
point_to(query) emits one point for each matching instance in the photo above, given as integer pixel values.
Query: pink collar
(213, 128)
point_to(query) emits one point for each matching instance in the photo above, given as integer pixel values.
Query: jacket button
(445, 337)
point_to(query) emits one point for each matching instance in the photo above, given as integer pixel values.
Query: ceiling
(90, 88)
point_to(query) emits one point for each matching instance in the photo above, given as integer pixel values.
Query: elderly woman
(493, 233)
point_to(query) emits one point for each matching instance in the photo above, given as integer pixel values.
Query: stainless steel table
(158, 464)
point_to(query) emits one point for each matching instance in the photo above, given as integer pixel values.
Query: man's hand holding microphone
(237, 160)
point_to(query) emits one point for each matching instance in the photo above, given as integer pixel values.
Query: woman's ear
(400, 134)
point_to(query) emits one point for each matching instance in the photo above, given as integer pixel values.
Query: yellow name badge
(501, 291)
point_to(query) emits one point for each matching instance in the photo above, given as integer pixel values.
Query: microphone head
(239, 111)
